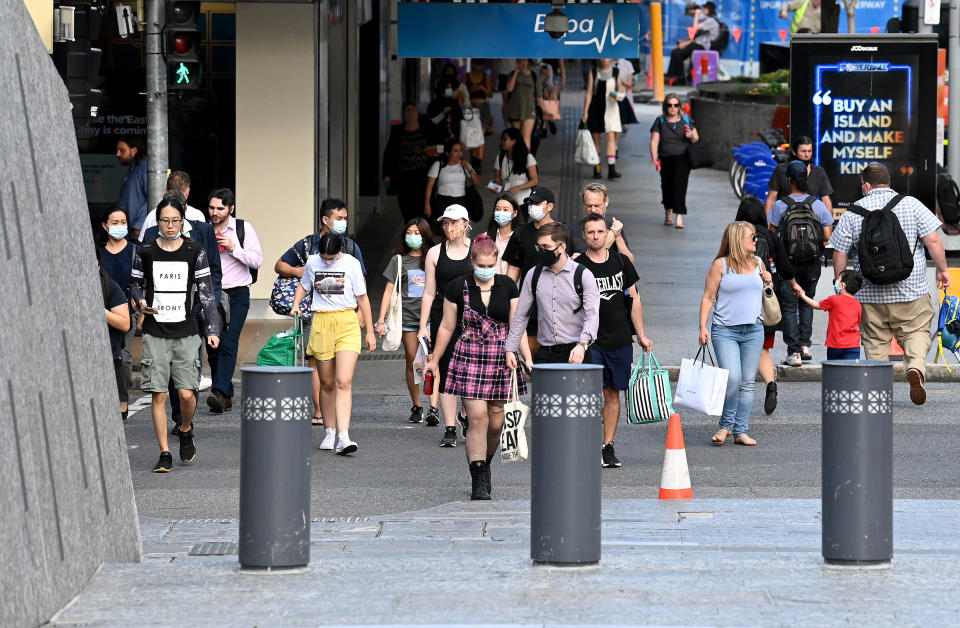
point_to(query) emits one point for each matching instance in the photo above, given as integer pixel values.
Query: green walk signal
(183, 74)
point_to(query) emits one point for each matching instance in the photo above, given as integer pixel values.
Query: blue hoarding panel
(516, 30)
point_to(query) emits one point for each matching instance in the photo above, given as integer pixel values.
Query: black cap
(539, 194)
(797, 170)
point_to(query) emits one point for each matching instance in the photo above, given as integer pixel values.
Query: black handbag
(699, 155)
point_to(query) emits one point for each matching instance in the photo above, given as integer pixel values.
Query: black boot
(489, 482)
(612, 173)
(478, 473)
(597, 173)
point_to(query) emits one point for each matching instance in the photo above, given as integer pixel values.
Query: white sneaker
(793, 359)
(329, 439)
(205, 383)
(344, 444)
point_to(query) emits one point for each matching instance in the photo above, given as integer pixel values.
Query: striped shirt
(916, 221)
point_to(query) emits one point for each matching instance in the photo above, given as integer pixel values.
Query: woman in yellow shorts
(338, 290)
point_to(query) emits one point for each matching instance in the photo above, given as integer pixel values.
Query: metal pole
(157, 133)
(565, 487)
(275, 467)
(656, 50)
(953, 91)
(857, 462)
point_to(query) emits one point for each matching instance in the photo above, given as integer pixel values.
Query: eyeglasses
(171, 221)
(541, 249)
(672, 105)
(754, 237)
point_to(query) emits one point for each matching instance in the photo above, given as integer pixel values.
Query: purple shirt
(238, 262)
(556, 301)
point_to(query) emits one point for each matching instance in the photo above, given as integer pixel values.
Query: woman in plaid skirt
(481, 304)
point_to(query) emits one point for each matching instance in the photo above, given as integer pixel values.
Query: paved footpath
(714, 562)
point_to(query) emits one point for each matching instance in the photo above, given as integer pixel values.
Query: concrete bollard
(565, 491)
(275, 467)
(857, 462)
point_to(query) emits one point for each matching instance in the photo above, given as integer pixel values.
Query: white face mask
(537, 212)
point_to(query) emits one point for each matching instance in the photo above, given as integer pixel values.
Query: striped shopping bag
(648, 396)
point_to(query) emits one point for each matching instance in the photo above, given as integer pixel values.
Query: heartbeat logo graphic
(601, 42)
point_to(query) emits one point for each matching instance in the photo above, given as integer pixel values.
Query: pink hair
(482, 245)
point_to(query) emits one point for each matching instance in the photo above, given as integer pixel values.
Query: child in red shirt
(843, 330)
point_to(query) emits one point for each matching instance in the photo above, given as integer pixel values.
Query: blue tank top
(738, 297)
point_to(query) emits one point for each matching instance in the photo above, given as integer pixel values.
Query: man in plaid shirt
(904, 309)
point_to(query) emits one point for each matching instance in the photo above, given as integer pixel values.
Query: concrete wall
(276, 127)
(65, 489)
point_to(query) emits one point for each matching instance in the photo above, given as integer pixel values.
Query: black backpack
(884, 253)
(801, 230)
(722, 39)
(948, 196)
(240, 236)
(577, 285)
(765, 249)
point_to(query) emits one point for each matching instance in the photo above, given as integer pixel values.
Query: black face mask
(807, 162)
(547, 258)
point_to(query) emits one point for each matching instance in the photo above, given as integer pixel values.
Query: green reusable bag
(284, 348)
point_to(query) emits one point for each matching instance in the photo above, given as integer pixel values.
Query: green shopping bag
(649, 398)
(284, 348)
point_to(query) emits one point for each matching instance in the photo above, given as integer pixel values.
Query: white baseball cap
(455, 212)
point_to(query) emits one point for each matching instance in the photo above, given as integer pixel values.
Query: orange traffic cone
(675, 480)
(896, 353)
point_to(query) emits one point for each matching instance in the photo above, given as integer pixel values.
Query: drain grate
(380, 357)
(214, 549)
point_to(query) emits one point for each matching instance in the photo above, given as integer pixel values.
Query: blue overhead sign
(516, 30)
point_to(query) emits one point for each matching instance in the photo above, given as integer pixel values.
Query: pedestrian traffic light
(78, 63)
(183, 44)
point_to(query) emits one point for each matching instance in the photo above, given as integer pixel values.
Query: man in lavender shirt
(237, 258)
(567, 327)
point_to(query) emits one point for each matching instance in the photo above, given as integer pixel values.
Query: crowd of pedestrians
(529, 290)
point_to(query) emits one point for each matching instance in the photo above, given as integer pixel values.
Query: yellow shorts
(332, 332)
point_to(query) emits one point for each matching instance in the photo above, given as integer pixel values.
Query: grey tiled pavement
(712, 562)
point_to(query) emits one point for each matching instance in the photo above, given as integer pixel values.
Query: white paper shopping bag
(701, 387)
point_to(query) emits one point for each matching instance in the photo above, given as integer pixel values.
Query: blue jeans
(851, 353)
(797, 322)
(738, 350)
(223, 360)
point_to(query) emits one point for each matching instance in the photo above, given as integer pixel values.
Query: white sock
(344, 435)
(330, 430)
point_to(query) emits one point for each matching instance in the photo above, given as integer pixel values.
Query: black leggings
(674, 174)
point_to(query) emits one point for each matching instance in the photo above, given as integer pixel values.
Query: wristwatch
(585, 345)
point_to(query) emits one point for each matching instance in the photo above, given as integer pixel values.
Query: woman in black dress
(405, 161)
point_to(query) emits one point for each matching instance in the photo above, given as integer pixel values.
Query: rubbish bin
(275, 417)
(566, 437)
(857, 462)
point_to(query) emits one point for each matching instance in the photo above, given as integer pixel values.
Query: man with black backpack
(804, 225)
(240, 259)
(883, 231)
(563, 296)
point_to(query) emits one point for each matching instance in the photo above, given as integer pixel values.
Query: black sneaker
(433, 416)
(463, 423)
(188, 451)
(770, 402)
(449, 437)
(165, 464)
(416, 415)
(610, 459)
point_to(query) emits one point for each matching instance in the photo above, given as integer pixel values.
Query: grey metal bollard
(565, 492)
(275, 418)
(857, 462)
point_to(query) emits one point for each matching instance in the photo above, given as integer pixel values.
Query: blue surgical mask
(448, 93)
(329, 262)
(537, 212)
(117, 232)
(503, 217)
(836, 287)
(173, 237)
(339, 227)
(484, 274)
(414, 241)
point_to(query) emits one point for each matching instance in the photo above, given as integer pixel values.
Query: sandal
(317, 421)
(680, 227)
(668, 223)
(721, 435)
(746, 441)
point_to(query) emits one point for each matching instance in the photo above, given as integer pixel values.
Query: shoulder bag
(394, 322)
(285, 289)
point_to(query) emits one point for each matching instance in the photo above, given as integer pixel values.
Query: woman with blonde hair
(734, 291)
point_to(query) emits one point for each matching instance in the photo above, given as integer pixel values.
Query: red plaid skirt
(478, 366)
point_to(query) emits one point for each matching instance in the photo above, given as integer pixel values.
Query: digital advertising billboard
(864, 99)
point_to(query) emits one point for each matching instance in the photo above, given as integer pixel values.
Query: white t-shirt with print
(335, 286)
(511, 179)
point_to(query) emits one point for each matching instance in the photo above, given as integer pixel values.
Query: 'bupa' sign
(516, 30)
